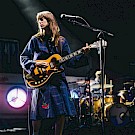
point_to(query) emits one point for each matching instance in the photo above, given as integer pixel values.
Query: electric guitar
(40, 75)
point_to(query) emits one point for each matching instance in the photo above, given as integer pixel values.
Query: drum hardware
(98, 86)
(92, 114)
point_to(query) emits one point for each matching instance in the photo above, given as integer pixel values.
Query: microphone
(64, 16)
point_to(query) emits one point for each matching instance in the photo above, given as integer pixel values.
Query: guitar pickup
(51, 65)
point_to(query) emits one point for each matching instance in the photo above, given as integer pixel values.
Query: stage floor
(73, 129)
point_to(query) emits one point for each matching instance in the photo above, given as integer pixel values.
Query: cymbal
(128, 83)
(80, 82)
(98, 86)
(122, 91)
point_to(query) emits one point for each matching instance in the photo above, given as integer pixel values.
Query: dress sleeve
(26, 57)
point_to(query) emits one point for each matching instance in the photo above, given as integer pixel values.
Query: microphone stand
(102, 66)
(102, 45)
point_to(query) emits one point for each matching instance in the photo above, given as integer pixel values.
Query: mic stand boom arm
(89, 27)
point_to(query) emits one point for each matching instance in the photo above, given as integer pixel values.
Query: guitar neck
(71, 55)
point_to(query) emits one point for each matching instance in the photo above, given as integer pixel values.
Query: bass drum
(118, 114)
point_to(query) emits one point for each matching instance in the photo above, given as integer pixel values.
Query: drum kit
(89, 106)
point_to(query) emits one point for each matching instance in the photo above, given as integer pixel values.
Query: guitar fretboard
(71, 55)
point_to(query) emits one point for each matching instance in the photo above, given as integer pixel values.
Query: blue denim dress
(53, 99)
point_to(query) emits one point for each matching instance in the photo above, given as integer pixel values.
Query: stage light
(16, 97)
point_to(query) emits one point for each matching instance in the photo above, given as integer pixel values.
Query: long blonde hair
(53, 25)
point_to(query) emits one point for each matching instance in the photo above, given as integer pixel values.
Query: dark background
(114, 16)
(18, 24)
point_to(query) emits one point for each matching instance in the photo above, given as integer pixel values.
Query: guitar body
(40, 75)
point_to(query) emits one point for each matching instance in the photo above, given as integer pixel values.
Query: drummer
(98, 81)
(94, 86)
(98, 77)
(89, 83)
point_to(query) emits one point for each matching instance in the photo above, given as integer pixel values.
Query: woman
(52, 101)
